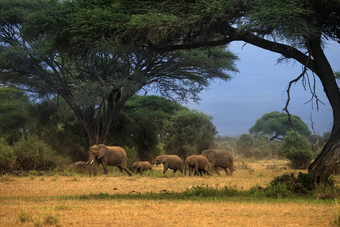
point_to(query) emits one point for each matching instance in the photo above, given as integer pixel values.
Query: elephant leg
(94, 171)
(226, 171)
(105, 168)
(216, 170)
(127, 171)
(120, 169)
(90, 170)
(231, 169)
(196, 171)
(190, 169)
(164, 170)
(165, 167)
(95, 167)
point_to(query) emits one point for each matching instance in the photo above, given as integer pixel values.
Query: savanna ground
(119, 200)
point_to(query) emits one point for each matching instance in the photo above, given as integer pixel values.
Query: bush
(285, 185)
(34, 154)
(7, 157)
(303, 183)
(296, 149)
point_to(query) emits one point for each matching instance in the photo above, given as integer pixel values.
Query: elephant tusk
(91, 162)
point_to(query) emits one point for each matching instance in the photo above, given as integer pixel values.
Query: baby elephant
(141, 166)
(170, 162)
(199, 163)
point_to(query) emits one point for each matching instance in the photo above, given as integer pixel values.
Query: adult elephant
(170, 162)
(107, 155)
(141, 166)
(220, 158)
(199, 163)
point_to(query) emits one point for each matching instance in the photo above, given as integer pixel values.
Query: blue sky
(260, 87)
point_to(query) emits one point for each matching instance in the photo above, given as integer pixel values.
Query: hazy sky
(259, 88)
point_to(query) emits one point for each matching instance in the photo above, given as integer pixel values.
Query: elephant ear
(102, 150)
(164, 158)
(211, 155)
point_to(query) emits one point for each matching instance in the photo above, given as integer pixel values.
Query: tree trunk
(324, 165)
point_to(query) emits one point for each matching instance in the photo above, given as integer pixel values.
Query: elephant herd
(200, 164)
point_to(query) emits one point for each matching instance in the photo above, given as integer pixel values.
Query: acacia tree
(277, 125)
(97, 81)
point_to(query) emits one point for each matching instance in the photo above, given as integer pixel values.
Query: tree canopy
(97, 81)
(277, 125)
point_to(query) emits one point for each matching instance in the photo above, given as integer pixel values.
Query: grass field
(147, 201)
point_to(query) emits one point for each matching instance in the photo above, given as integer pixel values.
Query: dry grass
(32, 199)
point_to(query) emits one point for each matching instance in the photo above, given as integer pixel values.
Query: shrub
(296, 149)
(303, 183)
(7, 157)
(286, 185)
(34, 154)
(209, 191)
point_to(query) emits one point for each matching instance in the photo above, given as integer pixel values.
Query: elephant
(220, 158)
(107, 155)
(170, 162)
(141, 166)
(199, 163)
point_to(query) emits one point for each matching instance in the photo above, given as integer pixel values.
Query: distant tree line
(275, 135)
(47, 134)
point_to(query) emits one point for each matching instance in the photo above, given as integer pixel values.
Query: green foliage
(226, 143)
(303, 183)
(132, 156)
(210, 191)
(284, 17)
(277, 191)
(244, 145)
(34, 154)
(286, 185)
(296, 149)
(7, 157)
(277, 125)
(56, 124)
(141, 124)
(14, 113)
(106, 75)
(258, 146)
(189, 132)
